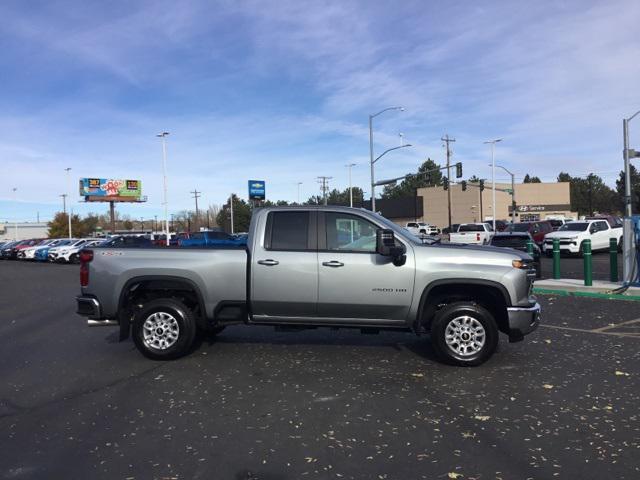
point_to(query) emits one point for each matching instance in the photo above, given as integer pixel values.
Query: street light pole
(349, 166)
(68, 170)
(371, 160)
(15, 219)
(493, 178)
(299, 183)
(513, 194)
(163, 136)
(628, 200)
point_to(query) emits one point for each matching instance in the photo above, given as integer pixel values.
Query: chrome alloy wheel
(160, 331)
(465, 336)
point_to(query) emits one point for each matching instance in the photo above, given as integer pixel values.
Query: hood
(563, 234)
(482, 249)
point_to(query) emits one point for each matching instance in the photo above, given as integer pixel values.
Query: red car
(536, 229)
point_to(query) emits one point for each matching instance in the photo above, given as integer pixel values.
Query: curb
(570, 293)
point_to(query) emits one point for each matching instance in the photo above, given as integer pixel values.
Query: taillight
(477, 237)
(85, 257)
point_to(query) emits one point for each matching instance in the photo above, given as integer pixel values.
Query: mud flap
(125, 327)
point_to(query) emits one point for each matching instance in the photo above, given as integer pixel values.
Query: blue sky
(282, 90)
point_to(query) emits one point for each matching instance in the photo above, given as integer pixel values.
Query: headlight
(518, 264)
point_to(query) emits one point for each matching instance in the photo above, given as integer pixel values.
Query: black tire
(620, 245)
(186, 329)
(74, 258)
(538, 267)
(464, 309)
(581, 250)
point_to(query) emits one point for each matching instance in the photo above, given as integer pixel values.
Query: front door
(355, 283)
(284, 267)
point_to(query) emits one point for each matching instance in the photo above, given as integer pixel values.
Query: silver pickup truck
(308, 267)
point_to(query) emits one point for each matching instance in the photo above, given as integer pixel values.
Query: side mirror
(387, 247)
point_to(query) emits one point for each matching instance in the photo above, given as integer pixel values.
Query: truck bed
(220, 273)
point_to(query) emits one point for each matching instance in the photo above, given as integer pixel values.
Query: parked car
(556, 223)
(29, 253)
(472, 233)
(175, 239)
(204, 239)
(421, 228)
(573, 234)
(60, 252)
(15, 249)
(518, 240)
(72, 253)
(501, 225)
(128, 241)
(537, 229)
(298, 271)
(7, 250)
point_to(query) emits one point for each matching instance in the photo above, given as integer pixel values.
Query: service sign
(256, 190)
(110, 187)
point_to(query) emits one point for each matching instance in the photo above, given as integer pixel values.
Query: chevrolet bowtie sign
(256, 190)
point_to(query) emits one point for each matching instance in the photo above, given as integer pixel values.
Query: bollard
(613, 259)
(586, 255)
(556, 259)
(530, 247)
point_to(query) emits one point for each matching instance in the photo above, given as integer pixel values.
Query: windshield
(574, 227)
(518, 227)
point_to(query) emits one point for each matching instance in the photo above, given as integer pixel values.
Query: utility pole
(64, 203)
(324, 187)
(447, 141)
(15, 220)
(163, 137)
(231, 208)
(68, 170)
(590, 180)
(196, 196)
(351, 165)
(299, 183)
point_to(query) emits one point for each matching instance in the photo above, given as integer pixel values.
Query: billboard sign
(256, 190)
(110, 189)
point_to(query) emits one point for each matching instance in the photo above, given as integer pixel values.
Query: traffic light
(481, 185)
(459, 170)
(464, 185)
(445, 183)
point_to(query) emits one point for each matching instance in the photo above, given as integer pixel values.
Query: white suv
(421, 228)
(573, 234)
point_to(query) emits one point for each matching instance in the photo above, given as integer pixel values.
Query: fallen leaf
(454, 475)
(620, 374)
(417, 374)
(482, 418)
(547, 340)
(547, 386)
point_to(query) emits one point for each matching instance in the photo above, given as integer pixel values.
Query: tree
(407, 187)
(473, 179)
(529, 179)
(635, 187)
(590, 195)
(241, 215)
(338, 197)
(59, 226)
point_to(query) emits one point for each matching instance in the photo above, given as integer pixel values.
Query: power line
(324, 186)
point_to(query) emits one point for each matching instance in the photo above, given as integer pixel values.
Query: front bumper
(522, 321)
(570, 246)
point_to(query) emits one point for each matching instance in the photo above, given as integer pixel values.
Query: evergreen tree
(407, 187)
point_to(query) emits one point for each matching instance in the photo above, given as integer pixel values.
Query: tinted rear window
(289, 230)
(471, 228)
(519, 227)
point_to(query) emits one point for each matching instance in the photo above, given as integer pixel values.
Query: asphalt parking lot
(260, 404)
(572, 266)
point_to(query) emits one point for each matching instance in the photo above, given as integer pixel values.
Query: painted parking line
(617, 325)
(599, 331)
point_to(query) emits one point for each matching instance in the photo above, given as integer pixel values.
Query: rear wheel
(620, 245)
(74, 258)
(464, 334)
(164, 329)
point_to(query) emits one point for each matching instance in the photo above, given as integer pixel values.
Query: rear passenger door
(601, 236)
(284, 267)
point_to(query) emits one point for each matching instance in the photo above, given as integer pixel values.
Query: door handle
(268, 262)
(333, 263)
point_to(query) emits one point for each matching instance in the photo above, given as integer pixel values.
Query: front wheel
(164, 329)
(464, 334)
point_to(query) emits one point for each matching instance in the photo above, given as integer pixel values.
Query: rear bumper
(522, 321)
(88, 307)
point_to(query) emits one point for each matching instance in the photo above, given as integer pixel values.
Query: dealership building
(534, 201)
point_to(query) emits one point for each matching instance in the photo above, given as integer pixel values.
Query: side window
(349, 233)
(287, 231)
(602, 226)
(412, 225)
(197, 236)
